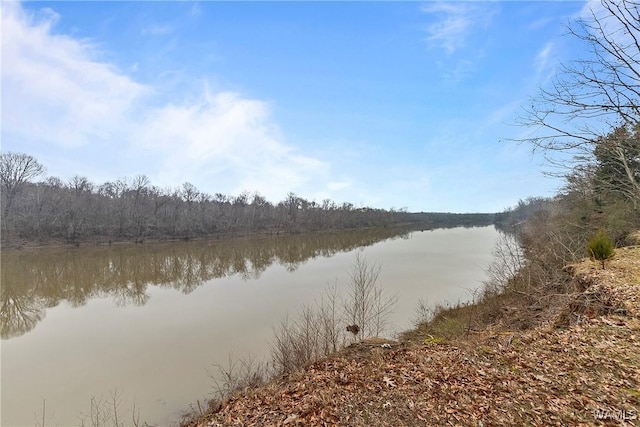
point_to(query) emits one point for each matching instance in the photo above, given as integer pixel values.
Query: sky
(382, 104)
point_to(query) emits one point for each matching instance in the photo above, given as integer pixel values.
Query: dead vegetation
(579, 366)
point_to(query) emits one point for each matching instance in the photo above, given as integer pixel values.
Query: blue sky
(384, 104)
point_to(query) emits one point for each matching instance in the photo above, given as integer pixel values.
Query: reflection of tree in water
(193, 272)
(32, 282)
(131, 293)
(20, 308)
(123, 282)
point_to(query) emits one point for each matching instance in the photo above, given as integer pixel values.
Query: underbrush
(529, 284)
(317, 331)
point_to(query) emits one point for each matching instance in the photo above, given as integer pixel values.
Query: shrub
(600, 247)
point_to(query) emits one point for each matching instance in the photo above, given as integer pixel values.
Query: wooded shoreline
(22, 239)
(101, 241)
(53, 212)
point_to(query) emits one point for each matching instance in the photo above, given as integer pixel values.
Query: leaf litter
(579, 372)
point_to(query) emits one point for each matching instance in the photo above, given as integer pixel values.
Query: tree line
(133, 209)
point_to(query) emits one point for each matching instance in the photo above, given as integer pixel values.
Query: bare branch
(590, 97)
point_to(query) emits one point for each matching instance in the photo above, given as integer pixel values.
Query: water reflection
(35, 281)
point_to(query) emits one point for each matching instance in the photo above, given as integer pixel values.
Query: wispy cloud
(226, 139)
(52, 87)
(543, 60)
(454, 23)
(157, 29)
(56, 92)
(541, 22)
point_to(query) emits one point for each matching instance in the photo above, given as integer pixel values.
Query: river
(144, 324)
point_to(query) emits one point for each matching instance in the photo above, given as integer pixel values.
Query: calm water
(147, 322)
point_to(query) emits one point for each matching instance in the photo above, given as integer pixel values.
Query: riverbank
(579, 365)
(24, 244)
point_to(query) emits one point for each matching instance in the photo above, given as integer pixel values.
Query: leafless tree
(593, 97)
(508, 260)
(237, 376)
(126, 209)
(15, 170)
(605, 86)
(367, 306)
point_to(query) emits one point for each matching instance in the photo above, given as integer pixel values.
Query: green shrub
(434, 340)
(600, 247)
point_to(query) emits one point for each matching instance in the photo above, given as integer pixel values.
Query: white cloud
(541, 22)
(52, 88)
(544, 63)
(338, 185)
(456, 22)
(229, 140)
(157, 30)
(55, 91)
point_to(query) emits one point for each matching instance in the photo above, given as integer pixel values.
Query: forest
(54, 211)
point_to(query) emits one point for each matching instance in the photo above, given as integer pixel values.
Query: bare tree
(139, 190)
(367, 306)
(237, 376)
(593, 96)
(83, 211)
(605, 86)
(316, 332)
(79, 206)
(15, 170)
(508, 260)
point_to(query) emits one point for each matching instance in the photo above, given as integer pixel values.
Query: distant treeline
(133, 209)
(513, 217)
